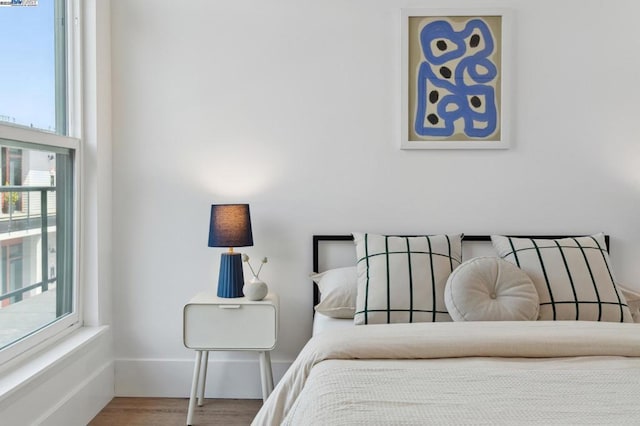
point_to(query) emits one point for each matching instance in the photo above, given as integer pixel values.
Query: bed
(468, 371)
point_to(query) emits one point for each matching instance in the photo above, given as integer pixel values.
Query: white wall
(293, 107)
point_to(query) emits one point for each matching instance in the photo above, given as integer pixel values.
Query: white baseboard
(171, 378)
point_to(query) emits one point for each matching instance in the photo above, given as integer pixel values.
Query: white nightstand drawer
(229, 325)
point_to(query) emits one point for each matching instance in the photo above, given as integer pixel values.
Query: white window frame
(63, 326)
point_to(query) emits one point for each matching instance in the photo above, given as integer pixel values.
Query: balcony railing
(34, 214)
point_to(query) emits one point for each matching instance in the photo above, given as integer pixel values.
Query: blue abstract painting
(456, 81)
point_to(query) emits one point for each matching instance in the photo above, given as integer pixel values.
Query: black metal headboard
(348, 237)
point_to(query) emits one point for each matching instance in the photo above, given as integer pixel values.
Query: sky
(27, 89)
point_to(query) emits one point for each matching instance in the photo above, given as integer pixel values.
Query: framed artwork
(455, 79)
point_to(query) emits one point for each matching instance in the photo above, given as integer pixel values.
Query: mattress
(530, 372)
(323, 323)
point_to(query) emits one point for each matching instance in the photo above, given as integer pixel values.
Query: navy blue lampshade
(230, 226)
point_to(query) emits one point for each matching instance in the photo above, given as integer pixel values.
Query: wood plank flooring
(173, 412)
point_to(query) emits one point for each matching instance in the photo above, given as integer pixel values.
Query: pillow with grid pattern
(402, 279)
(573, 276)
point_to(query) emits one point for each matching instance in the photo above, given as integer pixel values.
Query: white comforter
(609, 372)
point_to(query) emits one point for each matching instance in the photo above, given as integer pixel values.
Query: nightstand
(212, 323)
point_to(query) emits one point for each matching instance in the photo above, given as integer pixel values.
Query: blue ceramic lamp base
(231, 279)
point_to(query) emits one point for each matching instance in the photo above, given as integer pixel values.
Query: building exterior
(27, 243)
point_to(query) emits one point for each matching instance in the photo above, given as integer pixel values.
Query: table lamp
(230, 227)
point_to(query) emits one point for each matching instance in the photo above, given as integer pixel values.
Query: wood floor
(173, 412)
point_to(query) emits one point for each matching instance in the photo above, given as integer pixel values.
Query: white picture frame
(456, 78)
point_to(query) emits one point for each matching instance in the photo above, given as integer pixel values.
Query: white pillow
(337, 292)
(402, 279)
(573, 276)
(633, 300)
(490, 289)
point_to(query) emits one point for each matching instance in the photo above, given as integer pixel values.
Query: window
(38, 164)
(11, 175)
(34, 59)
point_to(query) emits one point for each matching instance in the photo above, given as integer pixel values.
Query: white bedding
(447, 391)
(464, 372)
(322, 323)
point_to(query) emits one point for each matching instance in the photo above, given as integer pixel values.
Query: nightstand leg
(266, 375)
(203, 378)
(267, 356)
(194, 387)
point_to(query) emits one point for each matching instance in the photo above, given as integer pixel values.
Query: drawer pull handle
(229, 306)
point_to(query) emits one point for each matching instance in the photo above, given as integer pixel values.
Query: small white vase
(255, 289)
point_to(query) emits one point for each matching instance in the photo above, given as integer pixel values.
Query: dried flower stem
(245, 258)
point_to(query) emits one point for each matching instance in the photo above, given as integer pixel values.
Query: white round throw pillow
(490, 289)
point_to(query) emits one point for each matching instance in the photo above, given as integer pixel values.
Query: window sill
(26, 371)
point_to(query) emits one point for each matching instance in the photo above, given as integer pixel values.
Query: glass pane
(33, 71)
(36, 217)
